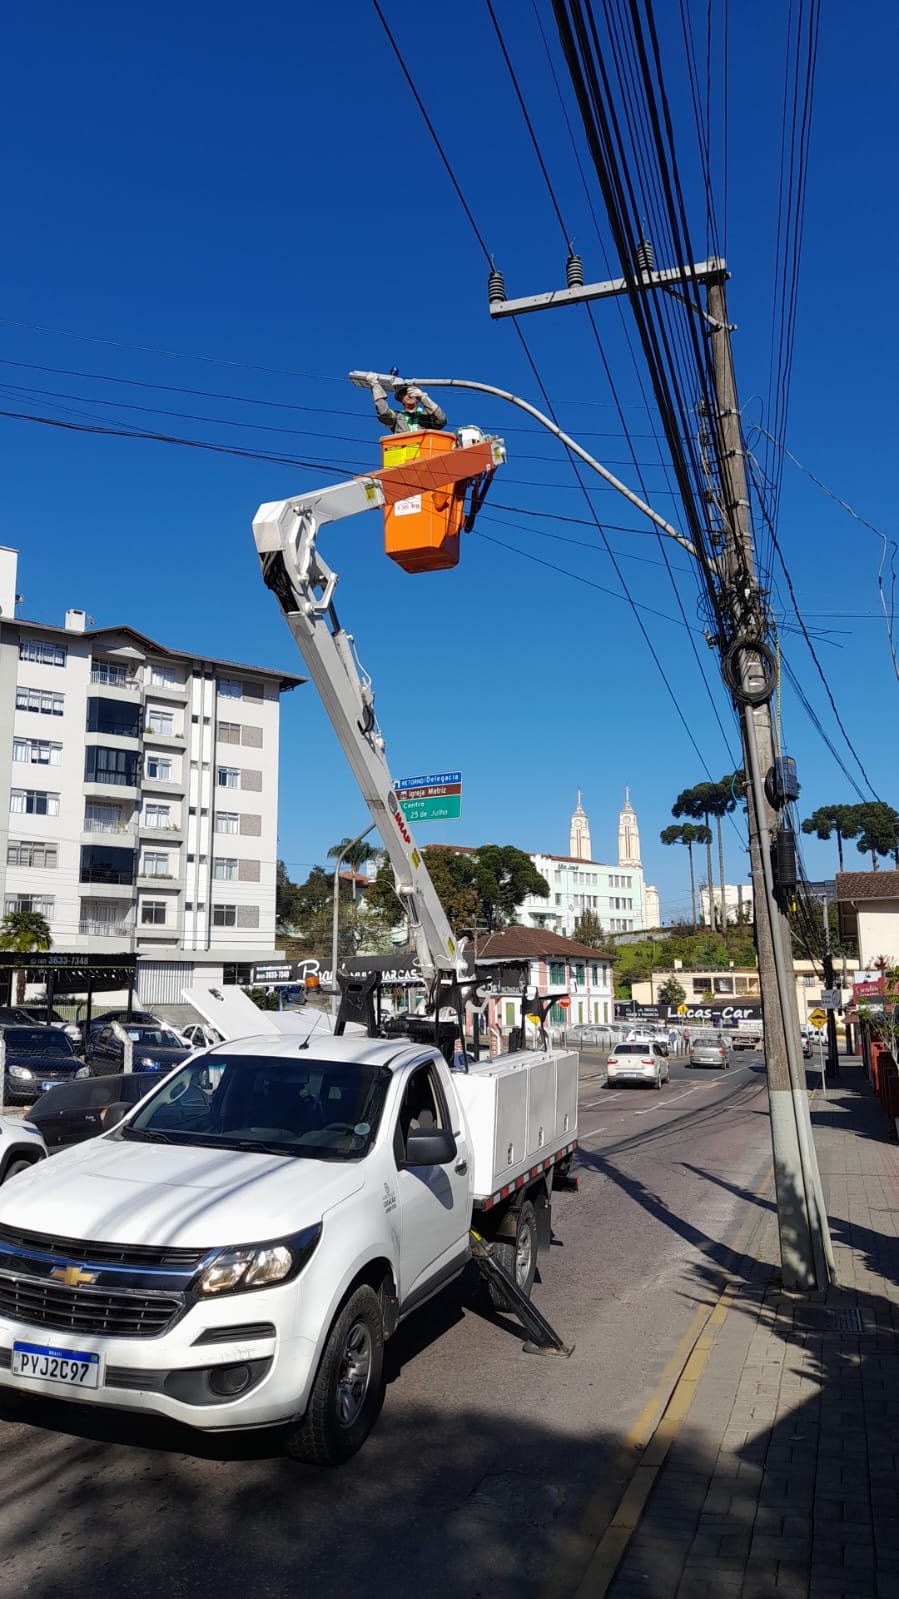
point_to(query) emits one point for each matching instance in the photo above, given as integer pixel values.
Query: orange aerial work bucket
(421, 531)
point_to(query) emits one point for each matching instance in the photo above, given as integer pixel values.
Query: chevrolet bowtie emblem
(73, 1276)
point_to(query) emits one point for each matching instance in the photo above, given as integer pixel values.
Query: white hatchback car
(638, 1062)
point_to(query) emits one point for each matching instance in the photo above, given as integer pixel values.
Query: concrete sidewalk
(783, 1477)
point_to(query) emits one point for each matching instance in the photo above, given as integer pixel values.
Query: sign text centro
(433, 797)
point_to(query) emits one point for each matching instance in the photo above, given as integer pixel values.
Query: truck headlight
(258, 1265)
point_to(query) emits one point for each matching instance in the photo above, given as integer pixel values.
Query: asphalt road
(485, 1461)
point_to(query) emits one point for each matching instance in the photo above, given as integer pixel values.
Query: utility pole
(747, 667)
(806, 1257)
(833, 1064)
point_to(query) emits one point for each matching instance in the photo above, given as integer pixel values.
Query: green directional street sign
(436, 797)
(447, 808)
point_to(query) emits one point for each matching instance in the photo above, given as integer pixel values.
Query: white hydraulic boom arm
(285, 532)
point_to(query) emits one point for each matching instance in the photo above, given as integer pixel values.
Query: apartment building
(143, 796)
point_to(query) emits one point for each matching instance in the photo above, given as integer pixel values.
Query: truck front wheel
(349, 1387)
(517, 1255)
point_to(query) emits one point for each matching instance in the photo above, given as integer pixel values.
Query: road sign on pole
(436, 797)
(681, 1010)
(831, 998)
(817, 1017)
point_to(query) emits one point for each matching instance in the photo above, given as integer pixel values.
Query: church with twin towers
(615, 892)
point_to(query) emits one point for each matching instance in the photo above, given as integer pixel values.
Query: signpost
(434, 798)
(818, 1019)
(831, 998)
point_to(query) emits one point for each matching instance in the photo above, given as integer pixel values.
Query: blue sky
(257, 188)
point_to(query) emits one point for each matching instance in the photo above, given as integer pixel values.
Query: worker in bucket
(417, 411)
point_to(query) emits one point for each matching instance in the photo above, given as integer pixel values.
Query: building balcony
(90, 881)
(110, 783)
(115, 683)
(160, 880)
(176, 692)
(88, 927)
(161, 788)
(167, 833)
(92, 825)
(163, 741)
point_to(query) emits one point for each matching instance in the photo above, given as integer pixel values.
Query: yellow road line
(652, 1436)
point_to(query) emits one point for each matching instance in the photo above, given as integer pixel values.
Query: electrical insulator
(496, 288)
(574, 272)
(646, 258)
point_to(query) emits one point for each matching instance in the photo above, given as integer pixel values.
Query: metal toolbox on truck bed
(520, 1109)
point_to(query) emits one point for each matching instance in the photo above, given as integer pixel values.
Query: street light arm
(388, 381)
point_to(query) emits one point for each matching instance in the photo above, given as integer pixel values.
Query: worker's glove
(413, 393)
(377, 389)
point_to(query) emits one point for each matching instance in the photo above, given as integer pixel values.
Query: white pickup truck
(240, 1245)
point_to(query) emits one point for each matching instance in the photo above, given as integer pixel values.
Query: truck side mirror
(429, 1146)
(114, 1114)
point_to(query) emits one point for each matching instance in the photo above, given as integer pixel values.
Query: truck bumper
(187, 1375)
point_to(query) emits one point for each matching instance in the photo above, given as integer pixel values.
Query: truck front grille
(87, 1310)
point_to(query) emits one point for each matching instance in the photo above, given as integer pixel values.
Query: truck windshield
(316, 1109)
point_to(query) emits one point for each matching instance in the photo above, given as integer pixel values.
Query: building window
(228, 777)
(156, 863)
(224, 870)
(227, 822)
(161, 722)
(557, 972)
(224, 915)
(103, 863)
(20, 852)
(162, 677)
(229, 689)
(114, 717)
(109, 672)
(157, 816)
(104, 765)
(28, 904)
(31, 649)
(152, 913)
(38, 751)
(229, 732)
(33, 802)
(579, 974)
(159, 769)
(36, 699)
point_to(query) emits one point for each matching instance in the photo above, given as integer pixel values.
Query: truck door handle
(461, 1167)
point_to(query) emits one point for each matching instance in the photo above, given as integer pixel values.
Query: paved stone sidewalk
(784, 1479)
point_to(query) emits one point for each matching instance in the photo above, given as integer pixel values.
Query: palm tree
(26, 933)
(694, 802)
(356, 856)
(688, 834)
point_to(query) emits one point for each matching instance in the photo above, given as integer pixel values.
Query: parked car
(21, 1145)
(638, 1062)
(37, 1057)
(155, 1048)
(137, 1018)
(710, 1049)
(200, 1035)
(45, 1015)
(806, 1043)
(71, 1112)
(15, 1016)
